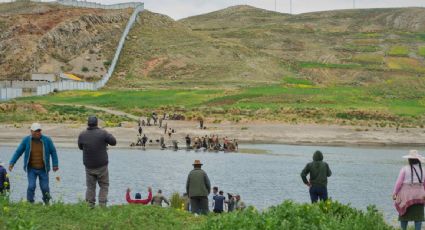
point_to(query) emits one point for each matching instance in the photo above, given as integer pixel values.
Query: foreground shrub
(288, 215)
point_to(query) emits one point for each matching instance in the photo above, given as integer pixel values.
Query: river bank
(66, 134)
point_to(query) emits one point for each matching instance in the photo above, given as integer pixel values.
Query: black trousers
(199, 204)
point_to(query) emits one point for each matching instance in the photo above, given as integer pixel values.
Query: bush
(176, 201)
(289, 215)
(85, 69)
(106, 63)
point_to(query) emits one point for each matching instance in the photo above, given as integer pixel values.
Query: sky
(178, 9)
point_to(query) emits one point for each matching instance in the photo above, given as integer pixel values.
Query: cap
(92, 121)
(138, 196)
(35, 126)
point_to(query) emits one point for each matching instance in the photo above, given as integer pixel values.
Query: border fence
(10, 93)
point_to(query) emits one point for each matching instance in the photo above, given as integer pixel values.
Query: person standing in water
(319, 172)
(409, 192)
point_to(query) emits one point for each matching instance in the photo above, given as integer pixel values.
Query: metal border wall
(10, 93)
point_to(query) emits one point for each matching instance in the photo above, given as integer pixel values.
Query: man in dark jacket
(198, 187)
(319, 172)
(94, 142)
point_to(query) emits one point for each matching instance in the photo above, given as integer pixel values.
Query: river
(264, 175)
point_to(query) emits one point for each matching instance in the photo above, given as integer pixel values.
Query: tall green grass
(288, 215)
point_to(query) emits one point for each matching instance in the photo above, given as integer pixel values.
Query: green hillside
(242, 63)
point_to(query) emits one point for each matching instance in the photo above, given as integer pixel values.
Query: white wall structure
(22, 84)
(9, 93)
(43, 77)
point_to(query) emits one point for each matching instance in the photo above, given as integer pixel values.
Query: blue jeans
(318, 192)
(43, 178)
(418, 225)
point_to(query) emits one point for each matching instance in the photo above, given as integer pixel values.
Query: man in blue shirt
(219, 202)
(37, 150)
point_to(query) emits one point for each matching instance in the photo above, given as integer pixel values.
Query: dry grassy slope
(243, 45)
(163, 52)
(42, 37)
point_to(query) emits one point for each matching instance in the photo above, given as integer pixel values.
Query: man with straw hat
(4, 179)
(409, 192)
(198, 187)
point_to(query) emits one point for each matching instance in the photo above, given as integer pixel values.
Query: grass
(288, 215)
(359, 48)
(421, 51)
(405, 64)
(297, 98)
(398, 51)
(297, 81)
(26, 112)
(328, 65)
(368, 58)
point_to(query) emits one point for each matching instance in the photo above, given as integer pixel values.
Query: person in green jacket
(198, 187)
(319, 172)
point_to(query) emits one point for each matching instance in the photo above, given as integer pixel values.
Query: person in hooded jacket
(94, 143)
(318, 172)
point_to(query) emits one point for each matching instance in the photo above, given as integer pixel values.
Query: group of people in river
(211, 142)
(40, 157)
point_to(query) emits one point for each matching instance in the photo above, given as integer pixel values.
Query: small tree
(176, 201)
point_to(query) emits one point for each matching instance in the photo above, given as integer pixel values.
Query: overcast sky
(178, 9)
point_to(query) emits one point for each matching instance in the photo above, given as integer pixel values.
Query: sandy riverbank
(65, 135)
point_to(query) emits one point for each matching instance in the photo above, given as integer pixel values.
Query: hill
(46, 38)
(358, 67)
(243, 45)
(162, 53)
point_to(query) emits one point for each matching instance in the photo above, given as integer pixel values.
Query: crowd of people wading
(212, 142)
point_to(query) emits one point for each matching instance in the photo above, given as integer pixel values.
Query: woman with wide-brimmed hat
(409, 191)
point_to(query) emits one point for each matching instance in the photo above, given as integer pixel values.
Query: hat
(35, 126)
(92, 121)
(197, 162)
(413, 154)
(138, 196)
